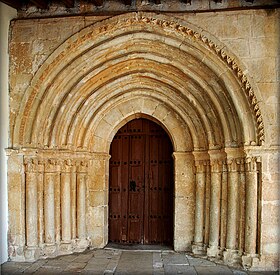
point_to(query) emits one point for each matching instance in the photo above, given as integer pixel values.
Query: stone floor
(119, 261)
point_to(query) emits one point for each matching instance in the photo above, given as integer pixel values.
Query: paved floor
(117, 261)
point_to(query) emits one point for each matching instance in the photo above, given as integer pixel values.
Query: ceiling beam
(68, 3)
(42, 4)
(13, 3)
(97, 2)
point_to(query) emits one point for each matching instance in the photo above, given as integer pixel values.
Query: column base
(50, 250)
(81, 245)
(249, 261)
(65, 248)
(232, 257)
(16, 253)
(214, 251)
(31, 253)
(199, 249)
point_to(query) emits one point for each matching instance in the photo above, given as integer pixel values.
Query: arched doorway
(141, 185)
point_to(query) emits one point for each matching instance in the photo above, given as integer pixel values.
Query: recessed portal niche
(141, 185)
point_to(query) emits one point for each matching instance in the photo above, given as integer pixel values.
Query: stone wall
(210, 79)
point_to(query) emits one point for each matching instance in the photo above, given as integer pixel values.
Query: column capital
(216, 165)
(30, 165)
(251, 164)
(82, 166)
(233, 164)
(66, 165)
(52, 166)
(201, 165)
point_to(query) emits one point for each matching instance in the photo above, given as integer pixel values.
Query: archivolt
(138, 64)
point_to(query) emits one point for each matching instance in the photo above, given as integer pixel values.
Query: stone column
(184, 201)
(66, 206)
(31, 208)
(40, 179)
(81, 204)
(251, 212)
(241, 222)
(224, 199)
(231, 255)
(73, 202)
(49, 206)
(215, 208)
(207, 204)
(200, 178)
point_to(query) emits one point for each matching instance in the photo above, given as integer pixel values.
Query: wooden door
(141, 185)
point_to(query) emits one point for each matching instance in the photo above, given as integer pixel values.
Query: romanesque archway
(141, 185)
(124, 67)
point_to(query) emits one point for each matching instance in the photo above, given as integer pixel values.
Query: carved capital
(82, 166)
(52, 166)
(200, 166)
(216, 166)
(251, 164)
(233, 164)
(41, 166)
(66, 166)
(31, 165)
(242, 165)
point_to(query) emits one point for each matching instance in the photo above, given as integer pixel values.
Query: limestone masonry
(210, 79)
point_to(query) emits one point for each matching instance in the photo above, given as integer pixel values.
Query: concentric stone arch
(61, 72)
(115, 70)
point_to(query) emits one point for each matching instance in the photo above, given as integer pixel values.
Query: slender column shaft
(31, 204)
(251, 206)
(207, 204)
(73, 202)
(233, 179)
(49, 208)
(242, 181)
(216, 179)
(41, 203)
(65, 203)
(57, 207)
(49, 201)
(199, 202)
(224, 207)
(81, 202)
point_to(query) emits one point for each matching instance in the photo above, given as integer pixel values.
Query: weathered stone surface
(210, 79)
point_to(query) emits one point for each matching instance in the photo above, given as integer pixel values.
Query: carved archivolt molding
(231, 63)
(72, 44)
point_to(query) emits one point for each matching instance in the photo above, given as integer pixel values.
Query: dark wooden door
(141, 185)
